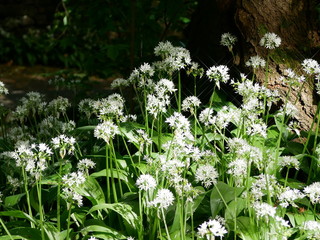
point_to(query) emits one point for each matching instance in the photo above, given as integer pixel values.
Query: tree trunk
(295, 21)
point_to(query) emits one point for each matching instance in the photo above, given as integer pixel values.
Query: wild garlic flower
(311, 229)
(15, 183)
(264, 184)
(92, 238)
(64, 144)
(195, 70)
(157, 104)
(228, 40)
(85, 164)
(119, 83)
(218, 74)
(313, 192)
(3, 89)
(178, 59)
(289, 161)
(226, 115)
(206, 116)
(163, 49)
(70, 182)
(288, 196)
(238, 169)
(311, 66)
(178, 121)
(190, 103)
(257, 128)
(86, 106)
(106, 130)
(264, 210)
(58, 106)
(207, 175)
(256, 62)
(164, 86)
(110, 107)
(143, 139)
(164, 199)
(292, 78)
(212, 228)
(146, 182)
(146, 70)
(270, 41)
(289, 109)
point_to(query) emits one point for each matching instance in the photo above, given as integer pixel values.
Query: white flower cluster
(311, 66)
(228, 40)
(190, 104)
(207, 175)
(312, 229)
(256, 62)
(288, 196)
(264, 184)
(85, 164)
(58, 106)
(3, 89)
(64, 144)
(264, 210)
(218, 74)
(86, 106)
(110, 107)
(270, 41)
(70, 182)
(106, 130)
(146, 182)
(164, 199)
(212, 228)
(289, 161)
(119, 83)
(313, 192)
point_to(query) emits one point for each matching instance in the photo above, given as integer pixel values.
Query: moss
(287, 57)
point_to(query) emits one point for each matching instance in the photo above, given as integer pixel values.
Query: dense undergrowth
(173, 168)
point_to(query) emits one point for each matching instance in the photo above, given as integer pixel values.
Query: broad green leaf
(26, 233)
(86, 128)
(121, 174)
(10, 201)
(124, 210)
(221, 195)
(234, 208)
(296, 219)
(91, 190)
(247, 229)
(17, 214)
(98, 227)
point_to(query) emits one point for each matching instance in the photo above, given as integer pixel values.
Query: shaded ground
(21, 79)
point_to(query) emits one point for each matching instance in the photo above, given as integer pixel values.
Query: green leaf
(247, 229)
(234, 208)
(124, 210)
(296, 219)
(17, 214)
(26, 233)
(98, 227)
(221, 195)
(10, 201)
(121, 174)
(91, 190)
(86, 128)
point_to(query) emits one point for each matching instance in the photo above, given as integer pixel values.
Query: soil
(20, 80)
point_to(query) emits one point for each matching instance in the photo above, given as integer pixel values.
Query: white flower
(163, 87)
(146, 70)
(178, 121)
(218, 74)
(228, 40)
(289, 161)
(163, 49)
(92, 238)
(313, 192)
(146, 182)
(256, 62)
(312, 229)
(112, 106)
(288, 196)
(106, 130)
(157, 104)
(212, 228)
(73, 179)
(86, 106)
(206, 116)
(3, 89)
(85, 164)
(270, 41)
(311, 66)
(163, 199)
(264, 210)
(58, 106)
(64, 143)
(119, 82)
(190, 104)
(207, 175)
(289, 109)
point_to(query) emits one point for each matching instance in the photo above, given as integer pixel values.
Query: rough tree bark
(295, 21)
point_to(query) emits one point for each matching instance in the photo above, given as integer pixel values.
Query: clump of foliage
(172, 169)
(98, 36)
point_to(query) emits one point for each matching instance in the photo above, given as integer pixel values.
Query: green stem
(25, 181)
(58, 199)
(179, 92)
(6, 229)
(140, 234)
(165, 224)
(40, 208)
(107, 174)
(68, 221)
